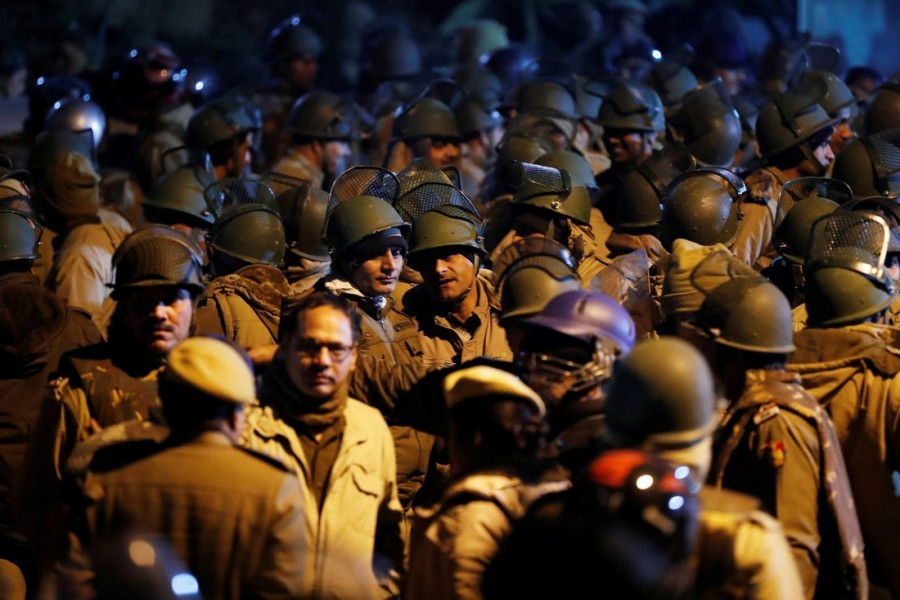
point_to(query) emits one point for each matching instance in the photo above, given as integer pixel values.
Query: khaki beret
(213, 367)
(483, 382)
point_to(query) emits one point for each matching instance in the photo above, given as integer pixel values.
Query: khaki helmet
(353, 220)
(787, 121)
(661, 392)
(671, 80)
(871, 165)
(748, 313)
(20, 237)
(426, 117)
(827, 89)
(639, 201)
(846, 281)
(549, 189)
(444, 227)
(302, 208)
(181, 191)
(702, 206)
(157, 255)
(225, 119)
(632, 106)
(320, 115)
(250, 233)
(573, 163)
(802, 202)
(708, 124)
(883, 111)
(531, 272)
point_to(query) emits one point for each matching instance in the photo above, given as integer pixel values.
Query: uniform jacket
(854, 372)
(776, 443)
(297, 165)
(244, 306)
(754, 236)
(237, 520)
(452, 545)
(353, 547)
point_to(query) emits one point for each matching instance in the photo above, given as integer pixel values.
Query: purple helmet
(589, 316)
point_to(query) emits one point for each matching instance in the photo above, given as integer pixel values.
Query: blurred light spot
(644, 482)
(142, 553)
(40, 81)
(676, 502)
(56, 105)
(185, 584)
(682, 472)
(198, 86)
(656, 54)
(133, 52)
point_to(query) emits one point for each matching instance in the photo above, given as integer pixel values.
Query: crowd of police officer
(613, 324)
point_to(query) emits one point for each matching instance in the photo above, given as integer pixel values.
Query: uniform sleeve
(754, 234)
(208, 318)
(788, 449)
(282, 563)
(405, 392)
(762, 551)
(81, 274)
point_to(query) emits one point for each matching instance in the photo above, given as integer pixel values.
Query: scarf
(279, 392)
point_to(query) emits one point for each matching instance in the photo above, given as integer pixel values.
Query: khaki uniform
(236, 519)
(245, 306)
(453, 544)
(354, 547)
(854, 372)
(753, 243)
(776, 443)
(741, 552)
(297, 165)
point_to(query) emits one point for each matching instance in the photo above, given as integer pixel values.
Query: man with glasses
(340, 448)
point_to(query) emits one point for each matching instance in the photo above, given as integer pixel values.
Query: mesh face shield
(802, 188)
(531, 251)
(541, 370)
(231, 193)
(884, 150)
(854, 241)
(363, 181)
(424, 187)
(157, 255)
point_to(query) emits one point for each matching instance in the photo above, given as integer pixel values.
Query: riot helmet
(181, 192)
(246, 234)
(702, 206)
(446, 226)
(640, 197)
(883, 111)
(550, 190)
(77, 114)
(671, 81)
(320, 115)
(157, 255)
(426, 117)
(870, 165)
(573, 163)
(792, 120)
(632, 106)
(302, 209)
(20, 236)
(708, 124)
(803, 201)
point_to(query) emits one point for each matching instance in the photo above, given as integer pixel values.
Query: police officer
(252, 518)
(224, 128)
(426, 128)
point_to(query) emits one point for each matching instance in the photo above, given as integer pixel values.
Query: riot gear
(320, 115)
(77, 114)
(699, 206)
(250, 233)
(574, 164)
(395, 56)
(632, 106)
(846, 280)
(545, 98)
(708, 124)
(47, 91)
(789, 120)
(49, 145)
(801, 203)
(292, 40)
(748, 313)
(424, 187)
(223, 120)
(472, 116)
(443, 227)
(551, 190)
(661, 393)
(591, 317)
(426, 117)
(302, 211)
(871, 165)
(671, 80)
(20, 237)
(639, 201)
(883, 111)
(827, 90)
(181, 191)
(157, 255)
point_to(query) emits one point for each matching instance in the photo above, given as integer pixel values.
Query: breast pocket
(362, 509)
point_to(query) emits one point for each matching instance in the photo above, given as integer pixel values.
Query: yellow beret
(482, 382)
(213, 367)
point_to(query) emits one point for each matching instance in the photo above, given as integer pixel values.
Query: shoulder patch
(766, 412)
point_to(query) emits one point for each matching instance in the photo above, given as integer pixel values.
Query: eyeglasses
(309, 349)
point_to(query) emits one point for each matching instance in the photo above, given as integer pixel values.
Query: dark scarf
(279, 392)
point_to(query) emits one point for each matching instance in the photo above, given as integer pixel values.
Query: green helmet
(530, 273)
(803, 201)
(222, 120)
(426, 117)
(443, 227)
(50, 144)
(472, 117)
(639, 201)
(748, 112)
(291, 40)
(883, 111)
(251, 233)
(787, 121)
(547, 98)
(827, 89)
(846, 281)
(320, 115)
(870, 165)
(20, 237)
(395, 56)
(355, 219)
(302, 209)
(702, 206)
(632, 106)
(671, 80)
(520, 146)
(550, 189)
(662, 392)
(748, 313)
(157, 255)
(181, 191)
(573, 163)
(708, 124)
